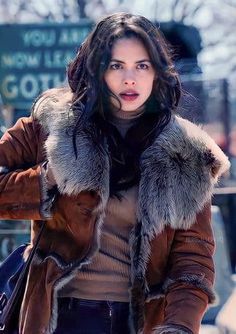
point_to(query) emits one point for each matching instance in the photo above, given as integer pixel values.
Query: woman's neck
(120, 114)
(126, 114)
(124, 120)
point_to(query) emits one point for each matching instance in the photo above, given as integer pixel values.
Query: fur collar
(178, 171)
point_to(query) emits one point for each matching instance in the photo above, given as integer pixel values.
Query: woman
(124, 187)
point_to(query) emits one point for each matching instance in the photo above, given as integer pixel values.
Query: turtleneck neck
(126, 115)
(124, 120)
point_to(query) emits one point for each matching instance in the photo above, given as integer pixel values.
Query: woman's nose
(130, 82)
(129, 79)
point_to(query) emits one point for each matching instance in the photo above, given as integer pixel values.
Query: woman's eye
(143, 66)
(115, 66)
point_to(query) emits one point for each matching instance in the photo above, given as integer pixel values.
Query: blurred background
(38, 39)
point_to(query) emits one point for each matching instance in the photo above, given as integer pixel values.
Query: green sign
(34, 57)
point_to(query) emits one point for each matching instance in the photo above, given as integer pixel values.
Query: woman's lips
(129, 96)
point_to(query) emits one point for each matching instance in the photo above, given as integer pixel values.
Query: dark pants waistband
(81, 316)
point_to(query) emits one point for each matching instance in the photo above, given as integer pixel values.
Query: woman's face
(130, 74)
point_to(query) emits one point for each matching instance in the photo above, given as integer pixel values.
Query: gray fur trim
(139, 253)
(42, 107)
(168, 329)
(177, 178)
(178, 171)
(58, 285)
(155, 294)
(197, 281)
(153, 297)
(4, 170)
(46, 199)
(71, 273)
(54, 314)
(90, 170)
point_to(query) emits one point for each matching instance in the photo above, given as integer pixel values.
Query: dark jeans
(80, 316)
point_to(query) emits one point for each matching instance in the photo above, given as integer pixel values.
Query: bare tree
(81, 6)
(22, 11)
(216, 19)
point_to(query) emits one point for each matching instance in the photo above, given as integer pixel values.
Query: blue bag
(13, 276)
(12, 284)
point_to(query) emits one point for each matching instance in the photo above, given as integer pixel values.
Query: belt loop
(70, 305)
(110, 308)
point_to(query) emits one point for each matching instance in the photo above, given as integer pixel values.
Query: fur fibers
(178, 173)
(198, 281)
(168, 329)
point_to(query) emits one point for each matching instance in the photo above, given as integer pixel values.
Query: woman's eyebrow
(143, 60)
(118, 61)
(138, 61)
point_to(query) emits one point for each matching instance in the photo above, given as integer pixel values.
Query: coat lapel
(178, 171)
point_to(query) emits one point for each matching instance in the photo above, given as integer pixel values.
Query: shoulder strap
(10, 306)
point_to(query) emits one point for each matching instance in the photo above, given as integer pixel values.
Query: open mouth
(129, 96)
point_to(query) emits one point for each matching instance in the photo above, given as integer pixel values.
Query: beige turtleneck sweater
(107, 277)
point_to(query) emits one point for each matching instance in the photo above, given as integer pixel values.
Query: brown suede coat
(171, 246)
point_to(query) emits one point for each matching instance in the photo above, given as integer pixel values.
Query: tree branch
(82, 5)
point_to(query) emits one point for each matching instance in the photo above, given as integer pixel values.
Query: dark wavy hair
(86, 70)
(91, 94)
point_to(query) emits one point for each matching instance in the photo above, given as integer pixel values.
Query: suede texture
(172, 244)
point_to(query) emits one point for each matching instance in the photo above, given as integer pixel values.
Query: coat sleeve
(20, 175)
(189, 286)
